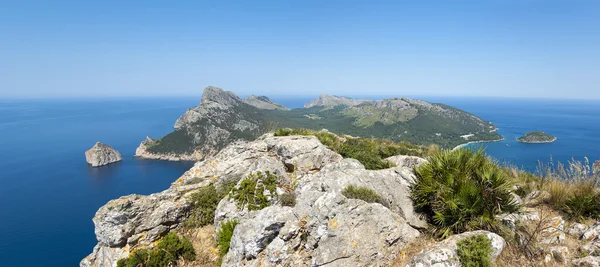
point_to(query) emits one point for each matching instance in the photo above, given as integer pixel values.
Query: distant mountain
(222, 117)
(264, 102)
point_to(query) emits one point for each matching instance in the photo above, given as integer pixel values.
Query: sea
(48, 193)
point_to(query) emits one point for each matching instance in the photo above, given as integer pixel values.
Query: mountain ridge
(222, 117)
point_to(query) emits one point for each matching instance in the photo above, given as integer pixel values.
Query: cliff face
(101, 154)
(202, 131)
(324, 227)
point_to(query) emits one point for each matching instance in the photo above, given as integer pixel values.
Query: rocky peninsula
(536, 137)
(322, 227)
(101, 154)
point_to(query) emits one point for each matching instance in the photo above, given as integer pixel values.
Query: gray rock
(589, 261)
(101, 154)
(553, 231)
(558, 254)
(406, 161)
(444, 254)
(535, 198)
(591, 232)
(323, 228)
(577, 229)
(511, 220)
(591, 248)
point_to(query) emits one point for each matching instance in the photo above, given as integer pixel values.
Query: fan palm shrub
(462, 190)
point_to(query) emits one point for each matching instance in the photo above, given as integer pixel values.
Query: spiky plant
(462, 190)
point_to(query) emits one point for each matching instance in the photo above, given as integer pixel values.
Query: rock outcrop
(143, 152)
(444, 254)
(263, 102)
(101, 154)
(323, 228)
(221, 118)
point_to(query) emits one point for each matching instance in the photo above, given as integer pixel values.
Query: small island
(536, 137)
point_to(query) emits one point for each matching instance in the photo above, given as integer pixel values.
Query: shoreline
(475, 142)
(538, 142)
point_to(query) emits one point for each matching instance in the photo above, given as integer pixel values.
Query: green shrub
(166, 253)
(363, 193)
(250, 192)
(224, 238)
(205, 202)
(462, 190)
(288, 199)
(475, 251)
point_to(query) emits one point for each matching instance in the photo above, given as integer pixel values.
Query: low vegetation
(462, 190)
(474, 251)
(288, 199)
(166, 253)
(224, 238)
(204, 202)
(363, 193)
(250, 193)
(573, 187)
(369, 151)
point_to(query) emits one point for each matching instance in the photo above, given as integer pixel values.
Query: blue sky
(509, 48)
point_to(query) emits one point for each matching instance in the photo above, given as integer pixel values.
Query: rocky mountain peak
(220, 96)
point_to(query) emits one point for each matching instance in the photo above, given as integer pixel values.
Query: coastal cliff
(323, 227)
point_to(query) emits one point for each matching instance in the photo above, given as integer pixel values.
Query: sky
(494, 48)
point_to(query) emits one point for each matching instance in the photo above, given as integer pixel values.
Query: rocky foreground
(324, 228)
(101, 154)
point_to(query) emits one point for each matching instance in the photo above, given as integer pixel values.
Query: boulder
(444, 254)
(101, 154)
(577, 229)
(558, 254)
(553, 231)
(591, 232)
(406, 161)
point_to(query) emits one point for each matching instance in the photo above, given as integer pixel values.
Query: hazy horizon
(113, 49)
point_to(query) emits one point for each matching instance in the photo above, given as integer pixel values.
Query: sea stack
(101, 154)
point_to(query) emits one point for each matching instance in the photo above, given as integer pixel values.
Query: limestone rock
(323, 228)
(591, 248)
(444, 254)
(577, 229)
(591, 232)
(143, 152)
(101, 154)
(535, 198)
(553, 231)
(406, 161)
(589, 261)
(558, 254)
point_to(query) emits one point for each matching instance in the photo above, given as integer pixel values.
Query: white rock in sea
(101, 154)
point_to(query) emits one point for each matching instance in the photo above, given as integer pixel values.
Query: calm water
(576, 124)
(48, 194)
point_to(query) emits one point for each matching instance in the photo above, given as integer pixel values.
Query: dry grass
(412, 249)
(204, 243)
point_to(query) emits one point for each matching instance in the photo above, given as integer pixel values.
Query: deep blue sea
(48, 193)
